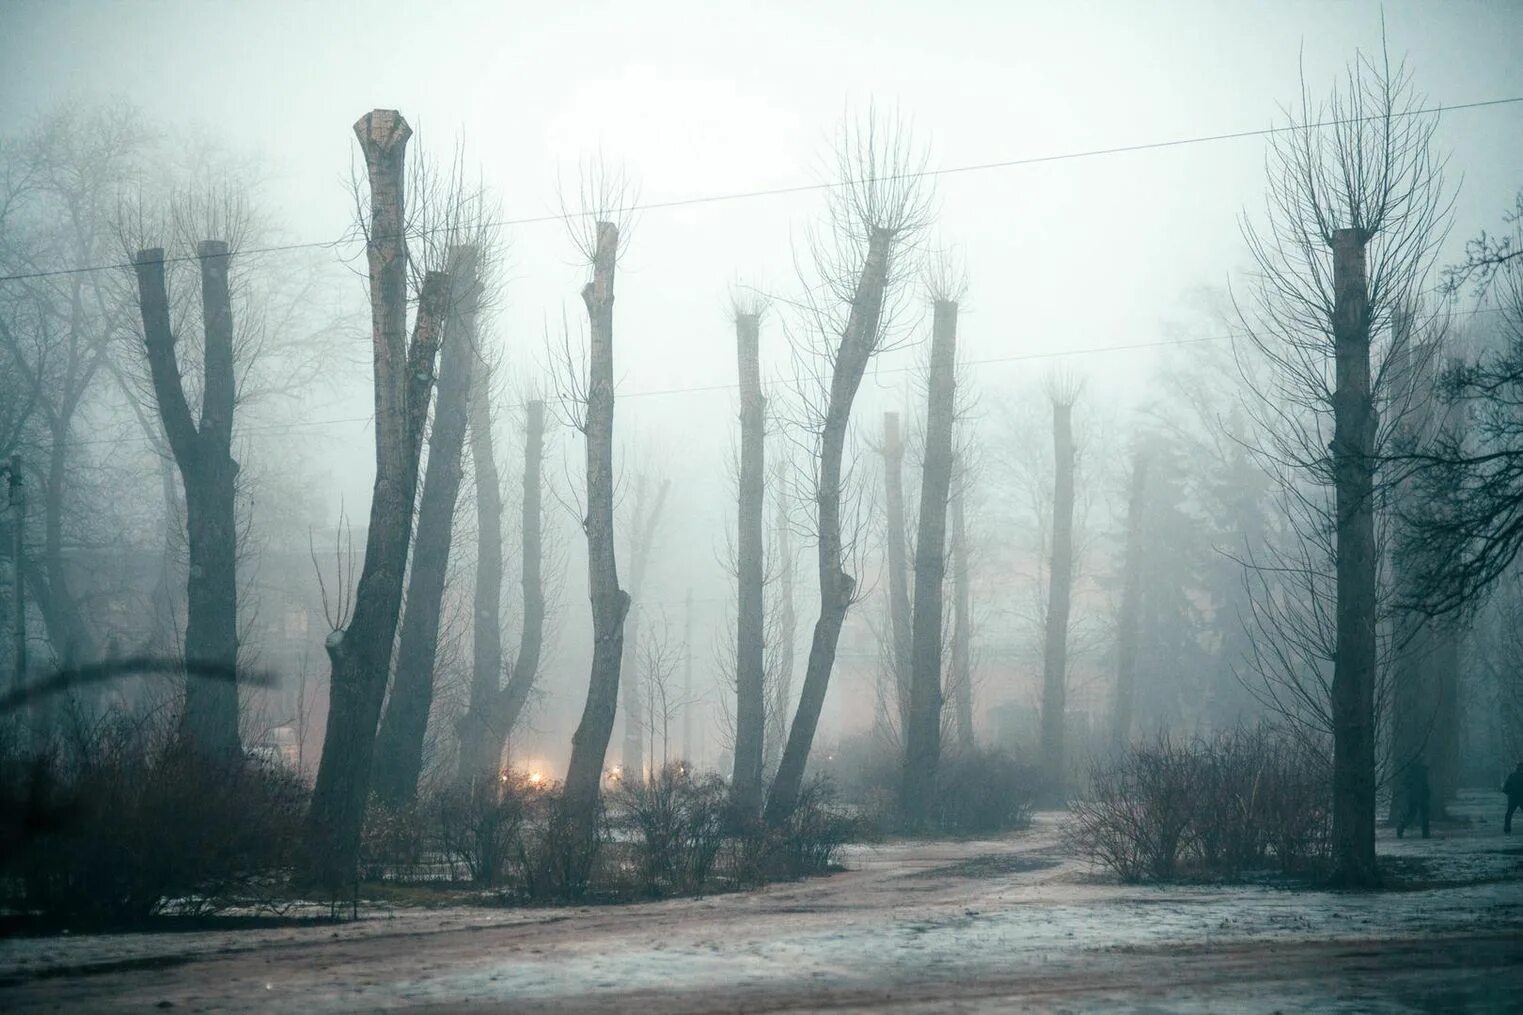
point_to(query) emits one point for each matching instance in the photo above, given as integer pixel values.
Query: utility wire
(803, 188)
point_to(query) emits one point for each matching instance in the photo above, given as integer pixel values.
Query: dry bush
(553, 861)
(806, 843)
(479, 825)
(979, 791)
(394, 841)
(1214, 807)
(983, 791)
(119, 824)
(676, 820)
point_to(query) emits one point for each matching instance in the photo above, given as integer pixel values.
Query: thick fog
(1090, 183)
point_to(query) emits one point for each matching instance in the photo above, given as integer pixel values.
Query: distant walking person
(1415, 782)
(1513, 787)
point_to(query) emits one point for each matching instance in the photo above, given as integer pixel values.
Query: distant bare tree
(651, 490)
(896, 536)
(922, 753)
(879, 208)
(750, 661)
(1062, 392)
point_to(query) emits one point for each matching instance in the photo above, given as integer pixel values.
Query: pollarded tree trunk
(203, 453)
(922, 754)
(750, 675)
(858, 340)
(610, 604)
(901, 638)
(494, 709)
(476, 762)
(1059, 595)
(647, 516)
(1130, 621)
(961, 676)
(360, 653)
(1353, 687)
(786, 634)
(399, 743)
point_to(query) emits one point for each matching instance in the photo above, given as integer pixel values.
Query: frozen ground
(1009, 925)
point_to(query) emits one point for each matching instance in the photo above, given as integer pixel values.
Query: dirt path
(1009, 924)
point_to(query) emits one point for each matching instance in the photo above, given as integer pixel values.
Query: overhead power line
(803, 188)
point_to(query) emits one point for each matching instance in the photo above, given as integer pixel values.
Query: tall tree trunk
(494, 709)
(477, 763)
(750, 677)
(1059, 596)
(786, 635)
(1353, 688)
(922, 754)
(361, 652)
(610, 604)
(209, 723)
(836, 586)
(399, 743)
(901, 637)
(962, 610)
(1410, 714)
(1130, 621)
(647, 516)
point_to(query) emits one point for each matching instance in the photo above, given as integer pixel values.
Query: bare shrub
(393, 841)
(981, 791)
(677, 820)
(807, 842)
(1215, 807)
(122, 823)
(555, 857)
(479, 825)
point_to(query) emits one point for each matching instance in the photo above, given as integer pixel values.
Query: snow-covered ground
(1007, 924)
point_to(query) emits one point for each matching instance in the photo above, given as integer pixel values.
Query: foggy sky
(710, 98)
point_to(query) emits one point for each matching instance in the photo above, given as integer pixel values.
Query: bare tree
(399, 742)
(750, 631)
(900, 641)
(496, 705)
(591, 398)
(1129, 622)
(203, 452)
(960, 673)
(922, 753)
(644, 523)
(878, 208)
(1062, 392)
(1356, 210)
(361, 651)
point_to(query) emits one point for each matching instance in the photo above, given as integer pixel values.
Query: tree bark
(962, 610)
(495, 707)
(1130, 621)
(786, 635)
(901, 637)
(610, 604)
(361, 652)
(209, 722)
(858, 340)
(399, 743)
(647, 516)
(1353, 687)
(750, 676)
(922, 754)
(1059, 596)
